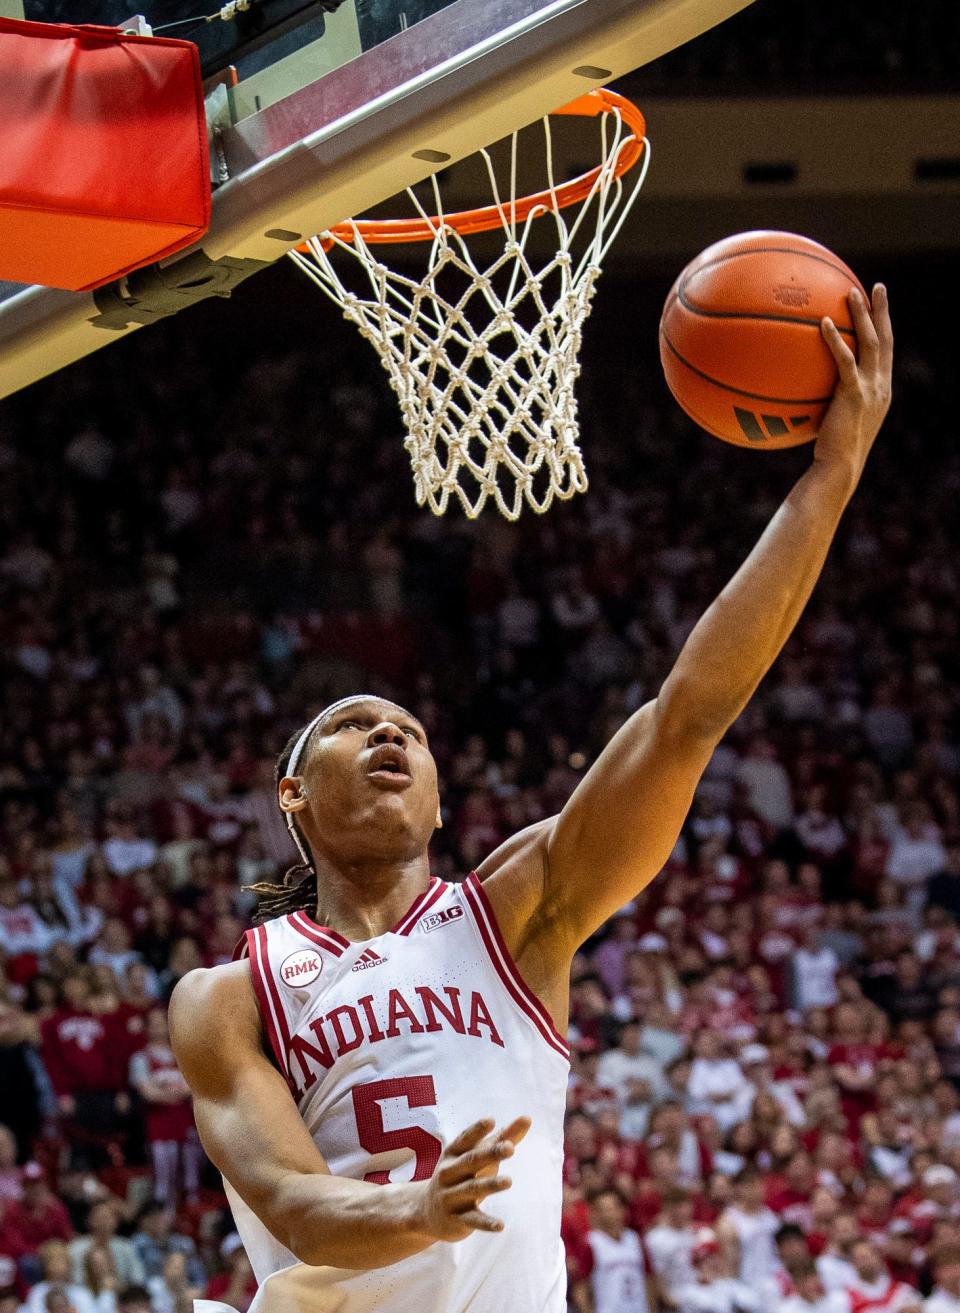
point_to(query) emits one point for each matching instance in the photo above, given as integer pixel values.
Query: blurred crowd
(763, 1104)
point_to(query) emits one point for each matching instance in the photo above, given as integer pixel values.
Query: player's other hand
(468, 1173)
(862, 398)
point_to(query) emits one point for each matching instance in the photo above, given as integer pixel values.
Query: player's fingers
(846, 361)
(516, 1130)
(468, 1193)
(471, 1136)
(477, 1160)
(881, 317)
(867, 339)
(478, 1220)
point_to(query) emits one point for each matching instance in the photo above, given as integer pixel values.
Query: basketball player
(391, 1039)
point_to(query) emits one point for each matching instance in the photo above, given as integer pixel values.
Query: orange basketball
(740, 337)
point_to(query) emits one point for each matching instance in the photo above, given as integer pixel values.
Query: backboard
(331, 113)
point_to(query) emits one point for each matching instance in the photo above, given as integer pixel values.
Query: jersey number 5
(419, 1093)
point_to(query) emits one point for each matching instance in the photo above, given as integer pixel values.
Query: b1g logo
(301, 968)
(437, 919)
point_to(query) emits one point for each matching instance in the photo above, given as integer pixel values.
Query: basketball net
(484, 357)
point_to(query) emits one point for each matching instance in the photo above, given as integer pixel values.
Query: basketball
(740, 338)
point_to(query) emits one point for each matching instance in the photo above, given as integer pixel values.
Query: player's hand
(862, 398)
(468, 1173)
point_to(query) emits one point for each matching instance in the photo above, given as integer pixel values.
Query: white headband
(298, 748)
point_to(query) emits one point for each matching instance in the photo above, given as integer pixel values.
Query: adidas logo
(772, 426)
(368, 958)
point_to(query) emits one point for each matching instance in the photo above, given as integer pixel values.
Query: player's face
(371, 785)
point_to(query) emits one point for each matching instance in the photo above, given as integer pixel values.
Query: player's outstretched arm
(620, 825)
(253, 1133)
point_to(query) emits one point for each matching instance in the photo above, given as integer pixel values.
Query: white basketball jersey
(618, 1278)
(392, 1047)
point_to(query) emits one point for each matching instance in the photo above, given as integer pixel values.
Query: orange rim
(602, 101)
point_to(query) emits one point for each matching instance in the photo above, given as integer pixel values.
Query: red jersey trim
(265, 989)
(861, 1303)
(319, 935)
(506, 968)
(421, 904)
(335, 943)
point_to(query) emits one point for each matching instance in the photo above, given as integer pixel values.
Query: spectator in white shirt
(815, 969)
(57, 1273)
(767, 783)
(811, 1296)
(755, 1064)
(712, 1290)
(621, 1068)
(946, 1292)
(716, 1083)
(915, 854)
(670, 1243)
(747, 1228)
(113, 949)
(21, 929)
(835, 1266)
(126, 851)
(792, 1249)
(818, 829)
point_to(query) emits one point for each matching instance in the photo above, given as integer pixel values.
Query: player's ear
(438, 824)
(292, 794)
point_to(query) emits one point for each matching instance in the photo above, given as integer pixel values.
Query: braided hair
(297, 891)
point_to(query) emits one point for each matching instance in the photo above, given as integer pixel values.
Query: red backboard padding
(103, 152)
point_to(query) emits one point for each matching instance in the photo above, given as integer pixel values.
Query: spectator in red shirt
(39, 1216)
(855, 1060)
(86, 1066)
(902, 1251)
(876, 1206)
(11, 1251)
(174, 1146)
(939, 1200)
(661, 1176)
(236, 1285)
(790, 1199)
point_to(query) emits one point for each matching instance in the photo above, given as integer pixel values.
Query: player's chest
(390, 1005)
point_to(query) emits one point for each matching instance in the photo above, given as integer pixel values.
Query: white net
(484, 360)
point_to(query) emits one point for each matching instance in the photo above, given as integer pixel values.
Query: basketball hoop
(489, 406)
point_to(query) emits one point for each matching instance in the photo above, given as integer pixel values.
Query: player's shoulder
(207, 1000)
(211, 984)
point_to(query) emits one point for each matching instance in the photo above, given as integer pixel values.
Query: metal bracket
(217, 106)
(159, 291)
(136, 25)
